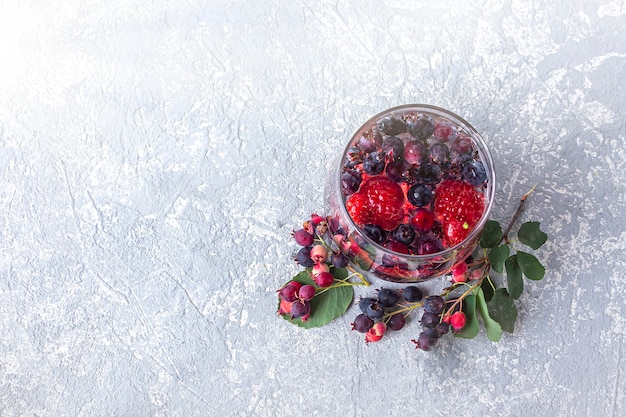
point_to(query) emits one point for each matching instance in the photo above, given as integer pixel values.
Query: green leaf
(503, 310)
(514, 277)
(491, 235)
(325, 306)
(530, 265)
(530, 234)
(494, 331)
(497, 257)
(471, 324)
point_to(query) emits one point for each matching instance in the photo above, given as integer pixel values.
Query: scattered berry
(393, 147)
(397, 322)
(412, 294)
(404, 234)
(289, 293)
(306, 293)
(434, 304)
(430, 319)
(458, 321)
(318, 268)
(300, 309)
(376, 332)
(374, 163)
(338, 260)
(419, 195)
(323, 280)
(421, 126)
(387, 297)
(474, 172)
(423, 342)
(302, 237)
(362, 323)
(319, 253)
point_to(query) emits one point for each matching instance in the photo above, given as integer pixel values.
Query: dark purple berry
(394, 147)
(439, 153)
(303, 257)
(420, 195)
(366, 145)
(396, 322)
(412, 294)
(362, 323)
(374, 232)
(397, 171)
(430, 246)
(474, 172)
(421, 126)
(430, 319)
(442, 328)
(338, 260)
(374, 163)
(391, 125)
(387, 297)
(434, 304)
(300, 309)
(424, 342)
(415, 152)
(350, 182)
(404, 234)
(390, 261)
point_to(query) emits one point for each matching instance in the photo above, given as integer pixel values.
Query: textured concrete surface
(156, 155)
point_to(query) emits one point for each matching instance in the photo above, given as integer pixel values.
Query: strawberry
(458, 206)
(379, 201)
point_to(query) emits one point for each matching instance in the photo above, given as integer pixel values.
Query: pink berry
(376, 332)
(459, 269)
(319, 254)
(323, 280)
(316, 219)
(457, 321)
(284, 307)
(302, 237)
(423, 219)
(319, 268)
(289, 293)
(459, 278)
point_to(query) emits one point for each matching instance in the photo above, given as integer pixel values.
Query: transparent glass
(380, 258)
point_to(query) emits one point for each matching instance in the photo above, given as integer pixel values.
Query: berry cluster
(414, 183)
(439, 315)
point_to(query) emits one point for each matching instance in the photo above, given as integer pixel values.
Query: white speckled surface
(156, 155)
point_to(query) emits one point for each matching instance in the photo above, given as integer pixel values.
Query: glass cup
(410, 195)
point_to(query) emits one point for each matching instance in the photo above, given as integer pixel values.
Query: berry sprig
(322, 291)
(486, 284)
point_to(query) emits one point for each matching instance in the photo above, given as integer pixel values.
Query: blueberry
(339, 260)
(427, 173)
(421, 126)
(350, 181)
(424, 342)
(434, 304)
(415, 152)
(404, 234)
(374, 163)
(442, 328)
(387, 297)
(397, 170)
(474, 172)
(300, 309)
(374, 232)
(419, 195)
(366, 145)
(391, 125)
(439, 153)
(412, 294)
(365, 303)
(374, 311)
(394, 147)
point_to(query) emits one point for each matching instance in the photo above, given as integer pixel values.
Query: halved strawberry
(458, 206)
(379, 201)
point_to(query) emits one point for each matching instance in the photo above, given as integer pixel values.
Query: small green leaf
(497, 257)
(494, 331)
(328, 305)
(492, 234)
(471, 324)
(530, 234)
(514, 277)
(530, 265)
(503, 310)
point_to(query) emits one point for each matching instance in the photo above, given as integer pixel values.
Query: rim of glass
(485, 155)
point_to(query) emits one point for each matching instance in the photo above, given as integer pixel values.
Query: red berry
(284, 307)
(459, 207)
(325, 279)
(423, 219)
(376, 332)
(319, 268)
(379, 201)
(302, 237)
(306, 293)
(457, 321)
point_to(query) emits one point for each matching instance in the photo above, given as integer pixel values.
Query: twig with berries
(323, 290)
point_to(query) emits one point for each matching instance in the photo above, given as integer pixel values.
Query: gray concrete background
(156, 155)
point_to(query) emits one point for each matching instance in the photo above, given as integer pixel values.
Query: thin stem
(505, 234)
